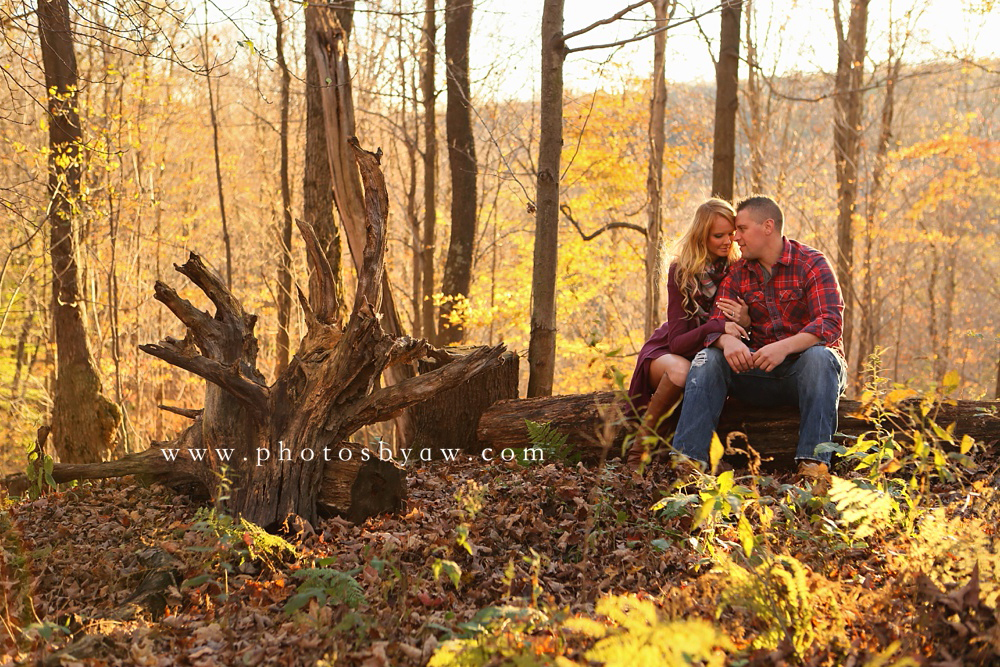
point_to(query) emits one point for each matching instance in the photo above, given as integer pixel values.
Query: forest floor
(550, 564)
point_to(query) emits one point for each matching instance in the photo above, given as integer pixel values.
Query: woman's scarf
(708, 284)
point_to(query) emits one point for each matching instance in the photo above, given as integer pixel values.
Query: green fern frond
(550, 441)
(776, 592)
(866, 510)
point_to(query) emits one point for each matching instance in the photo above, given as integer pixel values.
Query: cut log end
(357, 490)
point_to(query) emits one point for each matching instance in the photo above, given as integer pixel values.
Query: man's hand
(736, 352)
(736, 330)
(770, 356)
(735, 311)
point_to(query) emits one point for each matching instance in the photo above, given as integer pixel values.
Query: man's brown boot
(663, 402)
(817, 473)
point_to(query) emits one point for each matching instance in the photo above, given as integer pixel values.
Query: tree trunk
(84, 422)
(996, 393)
(449, 419)
(871, 316)
(285, 261)
(654, 178)
(847, 118)
(317, 186)
(542, 343)
(755, 127)
(462, 161)
(283, 438)
(593, 421)
(726, 102)
(212, 104)
(329, 45)
(430, 174)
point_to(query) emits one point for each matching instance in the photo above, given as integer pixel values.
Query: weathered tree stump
(285, 447)
(449, 419)
(595, 426)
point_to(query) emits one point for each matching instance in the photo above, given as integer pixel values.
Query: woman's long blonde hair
(691, 251)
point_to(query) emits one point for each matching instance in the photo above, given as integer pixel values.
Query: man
(794, 356)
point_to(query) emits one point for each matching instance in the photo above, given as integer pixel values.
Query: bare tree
(462, 160)
(83, 420)
(848, 109)
(654, 179)
(871, 290)
(285, 261)
(726, 102)
(430, 173)
(213, 103)
(542, 344)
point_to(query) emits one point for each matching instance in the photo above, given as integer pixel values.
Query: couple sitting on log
(764, 327)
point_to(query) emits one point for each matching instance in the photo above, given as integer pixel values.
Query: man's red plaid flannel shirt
(802, 295)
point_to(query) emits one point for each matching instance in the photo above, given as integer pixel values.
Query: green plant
(242, 540)
(326, 586)
(948, 549)
(449, 568)
(39, 471)
(776, 592)
(633, 636)
(552, 443)
(907, 450)
(718, 502)
(863, 510)
(501, 635)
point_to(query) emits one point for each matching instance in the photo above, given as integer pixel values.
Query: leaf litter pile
(490, 565)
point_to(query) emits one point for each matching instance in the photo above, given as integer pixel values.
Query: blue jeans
(813, 381)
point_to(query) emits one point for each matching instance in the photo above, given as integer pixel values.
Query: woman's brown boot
(662, 404)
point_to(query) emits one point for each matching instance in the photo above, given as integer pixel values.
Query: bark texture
(542, 343)
(285, 259)
(449, 420)
(654, 177)
(329, 45)
(726, 102)
(84, 422)
(462, 160)
(847, 129)
(428, 94)
(317, 186)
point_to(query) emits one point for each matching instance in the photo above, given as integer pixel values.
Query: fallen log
(595, 426)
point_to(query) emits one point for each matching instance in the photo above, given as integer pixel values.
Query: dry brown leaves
(561, 536)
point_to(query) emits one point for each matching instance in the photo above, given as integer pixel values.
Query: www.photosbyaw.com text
(384, 453)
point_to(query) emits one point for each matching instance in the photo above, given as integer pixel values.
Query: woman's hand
(734, 329)
(734, 311)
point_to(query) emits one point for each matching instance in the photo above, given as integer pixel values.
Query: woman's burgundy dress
(681, 334)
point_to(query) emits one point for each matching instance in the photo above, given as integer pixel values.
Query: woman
(701, 261)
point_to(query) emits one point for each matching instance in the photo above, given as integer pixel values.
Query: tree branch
(228, 378)
(190, 413)
(376, 214)
(195, 319)
(606, 21)
(322, 283)
(568, 212)
(383, 404)
(644, 35)
(212, 284)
